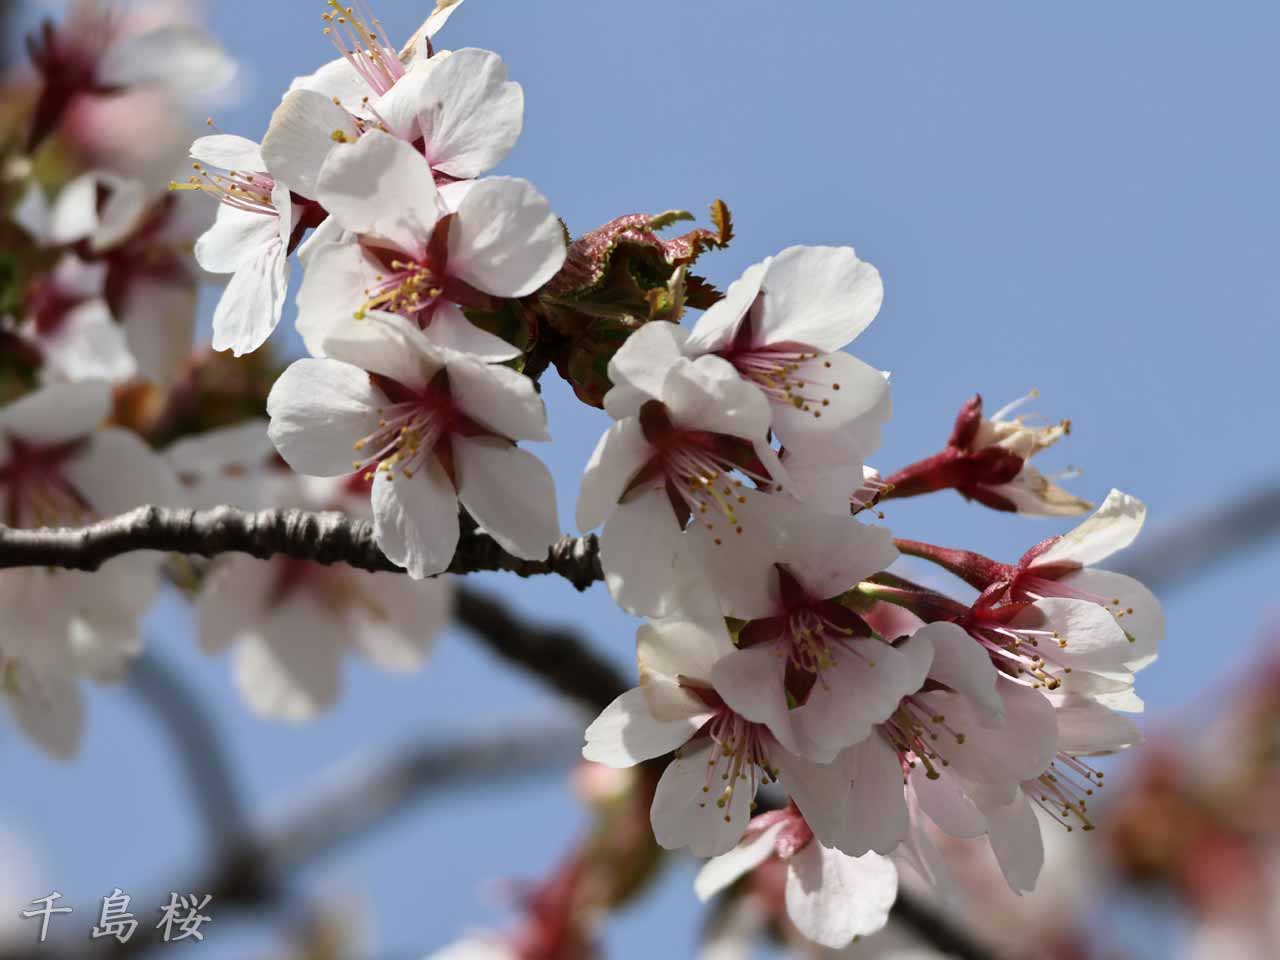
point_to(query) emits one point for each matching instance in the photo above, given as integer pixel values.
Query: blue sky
(1075, 198)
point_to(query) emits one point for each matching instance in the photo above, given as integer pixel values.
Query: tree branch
(325, 538)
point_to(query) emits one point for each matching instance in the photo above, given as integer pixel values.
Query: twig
(325, 538)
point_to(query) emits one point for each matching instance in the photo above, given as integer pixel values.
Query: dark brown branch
(321, 537)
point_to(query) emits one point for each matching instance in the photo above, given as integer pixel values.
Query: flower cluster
(819, 711)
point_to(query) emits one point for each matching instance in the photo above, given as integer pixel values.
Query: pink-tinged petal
(667, 650)
(619, 455)
(1082, 635)
(415, 519)
(819, 297)
(252, 303)
(470, 114)
(228, 152)
(337, 80)
(1113, 689)
(862, 394)
(451, 330)
(236, 596)
(685, 812)
(117, 471)
(646, 357)
(720, 873)
(388, 344)
(877, 803)
(452, 194)
(329, 232)
(891, 621)
(1017, 843)
(820, 791)
(128, 201)
(646, 563)
(863, 687)
(964, 665)
(48, 708)
(236, 237)
(623, 402)
(34, 214)
(627, 732)
(708, 394)
(398, 107)
(439, 16)
(90, 346)
(510, 494)
(841, 552)
(751, 682)
(304, 129)
(499, 398)
(921, 855)
(319, 409)
(381, 187)
(333, 289)
(290, 668)
(944, 801)
(159, 321)
(505, 240)
(1135, 608)
(718, 326)
(1114, 526)
(57, 412)
(1087, 728)
(395, 621)
(832, 898)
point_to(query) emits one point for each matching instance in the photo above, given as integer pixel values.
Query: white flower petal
(74, 215)
(229, 152)
(685, 811)
(117, 471)
(1087, 728)
(669, 649)
(504, 239)
(48, 708)
(646, 357)
(89, 345)
(820, 791)
(183, 59)
(396, 620)
(509, 492)
(498, 398)
(291, 667)
(383, 188)
(627, 732)
(646, 564)
(451, 330)
(862, 393)
(1084, 634)
(1017, 843)
(1135, 608)
(832, 898)
(469, 114)
(337, 80)
(723, 871)
(877, 802)
(751, 683)
(819, 297)
(253, 302)
(235, 598)
(1114, 526)
(619, 455)
(319, 409)
(708, 394)
(415, 519)
(944, 801)
(303, 131)
(964, 665)
(236, 237)
(159, 321)
(333, 289)
(717, 327)
(57, 412)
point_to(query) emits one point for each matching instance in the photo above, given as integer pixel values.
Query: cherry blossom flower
(807, 666)
(97, 52)
(292, 622)
(782, 326)
(686, 430)
(831, 898)
(230, 466)
(250, 239)
(721, 758)
(368, 66)
(136, 247)
(432, 429)
(986, 459)
(405, 253)
(58, 467)
(1064, 567)
(71, 325)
